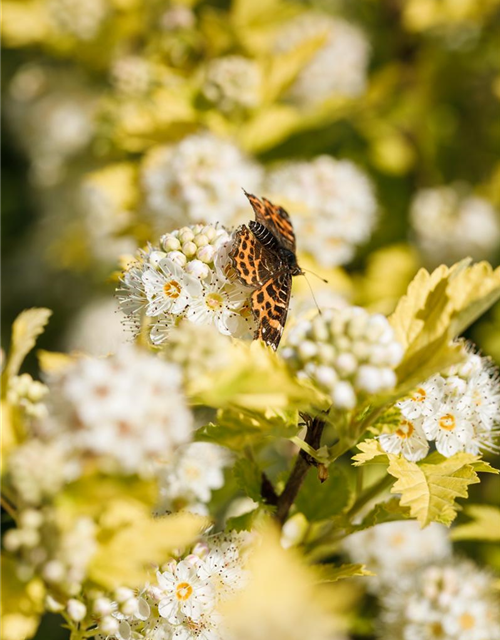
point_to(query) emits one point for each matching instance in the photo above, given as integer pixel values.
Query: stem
(369, 494)
(302, 465)
(8, 508)
(267, 490)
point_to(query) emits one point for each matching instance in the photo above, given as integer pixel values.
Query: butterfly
(263, 256)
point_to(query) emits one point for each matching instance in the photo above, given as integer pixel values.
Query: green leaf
(371, 452)
(485, 524)
(435, 310)
(28, 325)
(244, 522)
(319, 501)
(331, 573)
(388, 511)
(248, 478)
(131, 542)
(430, 489)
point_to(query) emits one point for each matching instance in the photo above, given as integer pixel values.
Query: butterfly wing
(270, 308)
(253, 262)
(275, 218)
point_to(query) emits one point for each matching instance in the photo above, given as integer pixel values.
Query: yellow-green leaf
(127, 554)
(28, 325)
(371, 452)
(430, 489)
(485, 524)
(435, 310)
(331, 573)
(22, 603)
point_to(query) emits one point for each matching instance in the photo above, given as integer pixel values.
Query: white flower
(339, 68)
(348, 352)
(394, 550)
(333, 204)
(184, 593)
(231, 82)
(217, 304)
(451, 428)
(441, 602)
(127, 409)
(169, 288)
(194, 472)
(408, 439)
(199, 180)
(450, 224)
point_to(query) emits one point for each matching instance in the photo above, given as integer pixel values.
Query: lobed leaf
(319, 501)
(485, 524)
(331, 573)
(371, 452)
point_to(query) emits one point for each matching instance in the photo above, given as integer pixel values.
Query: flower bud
(170, 243)
(156, 257)
(53, 605)
(123, 593)
(102, 606)
(206, 253)
(189, 249)
(197, 269)
(109, 625)
(343, 396)
(178, 257)
(76, 610)
(186, 235)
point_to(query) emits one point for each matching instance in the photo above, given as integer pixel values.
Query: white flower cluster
(333, 203)
(450, 224)
(394, 550)
(190, 277)
(131, 75)
(28, 394)
(81, 20)
(458, 411)
(339, 68)
(198, 180)
(184, 603)
(126, 410)
(451, 601)
(347, 352)
(59, 555)
(232, 82)
(187, 481)
(50, 113)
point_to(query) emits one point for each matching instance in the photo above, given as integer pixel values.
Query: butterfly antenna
(316, 275)
(312, 292)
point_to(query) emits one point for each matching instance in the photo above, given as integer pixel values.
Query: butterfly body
(263, 256)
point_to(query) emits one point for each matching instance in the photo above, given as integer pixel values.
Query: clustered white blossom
(231, 82)
(60, 555)
(82, 20)
(394, 550)
(450, 224)
(458, 410)
(347, 352)
(184, 603)
(200, 179)
(338, 68)
(131, 75)
(187, 480)
(28, 394)
(448, 601)
(189, 276)
(332, 203)
(50, 113)
(126, 410)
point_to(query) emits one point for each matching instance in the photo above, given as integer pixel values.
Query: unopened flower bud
(76, 610)
(129, 607)
(178, 257)
(53, 605)
(186, 235)
(200, 240)
(170, 243)
(206, 253)
(189, 249)
(123, 593)
(102, 606)
(343, 396)
(53, 571)
(197, 269)
(109, 625)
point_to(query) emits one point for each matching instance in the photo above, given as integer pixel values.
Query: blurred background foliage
(95, 90)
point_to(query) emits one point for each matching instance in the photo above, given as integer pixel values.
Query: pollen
(172, 289)
(405, 429)
(183, 591)
(447, 422)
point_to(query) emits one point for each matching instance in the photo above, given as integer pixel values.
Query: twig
(8, 508)
(302, 465)
(267, 491)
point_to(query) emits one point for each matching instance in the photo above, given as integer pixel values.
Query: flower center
(405, 429)
(419, 395)
(214, 301)
(447, 422)
(466, 621)
(183, 591)
(172, 289)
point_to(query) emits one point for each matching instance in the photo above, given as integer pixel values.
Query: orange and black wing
(270, 308)
(253, 262)
(275, 218)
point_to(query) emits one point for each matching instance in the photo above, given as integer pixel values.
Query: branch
(302, 465)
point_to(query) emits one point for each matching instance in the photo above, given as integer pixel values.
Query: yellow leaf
(26, 328)
(435, 310)
(430, 489)
(22, 603)
(23, 23)
(371, 452)
(269, 127)
(484, 526)
(331, 573)
(53, 362)
(257, 21)
(127, 554)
